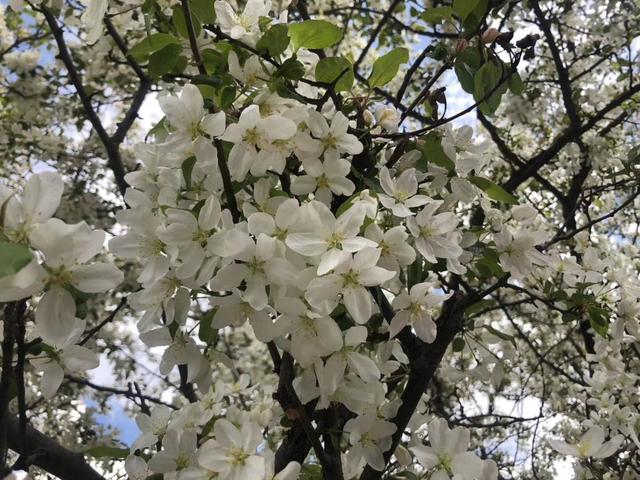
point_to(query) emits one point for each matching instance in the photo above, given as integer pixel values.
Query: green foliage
(516, 86)
(488, 86)
(187, 169)
(13, 258)
(151, 44)
(203, 10)
(599, 319)
(467, 63)
(489, 264)
(387, 66)
(458, 344)
(214, 61)
(275, 41)
(207, 334)
(437, 15)
(493, 191)
(291, 69)
(164, 60)
(314, 34)
(471, 13)
(108, 452)
(180, 22)
(331, 68)
(432, 152)
(311, 472)
(501, 335)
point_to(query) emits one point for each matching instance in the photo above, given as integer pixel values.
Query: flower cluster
(58, 264)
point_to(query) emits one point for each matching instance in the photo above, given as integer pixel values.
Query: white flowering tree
(369, 240)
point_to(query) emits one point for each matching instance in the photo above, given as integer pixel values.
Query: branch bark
(49, 455)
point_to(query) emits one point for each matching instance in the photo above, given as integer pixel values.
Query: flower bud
(403, 456)
(388, 118)
(368, 118)
(461, 45)
(490, 35)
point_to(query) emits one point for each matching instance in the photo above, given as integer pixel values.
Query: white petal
(97, 277)
(41, 196)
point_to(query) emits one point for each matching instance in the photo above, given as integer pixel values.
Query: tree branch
(49, 455)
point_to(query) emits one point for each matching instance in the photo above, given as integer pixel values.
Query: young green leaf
(108, 452)
(515, 84)
(488, 86)
(164, 60)
(493, 191)
(437, 15)
(331, 68)
(387, 66)
(314, 34)
(13, 258)
(291, 69)
(275, 41)
(204, 10)
(179, 21)
(151, 44)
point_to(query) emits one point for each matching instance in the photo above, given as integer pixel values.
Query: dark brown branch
(117, 391)
(193, 41)
(113, 150)
(49, 455)
(109, 319)
(185, 387)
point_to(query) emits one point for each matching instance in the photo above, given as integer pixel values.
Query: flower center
(322, 181)
(59, 277)
(256, 265)
(238, 456)
(351, 279)
(335, 240)
(445, 462)
(182, 462)
(252, 136)
(329, 141)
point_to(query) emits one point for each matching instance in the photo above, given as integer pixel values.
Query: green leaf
(502, 335)
(432, 152)
(473, 16)
(159, 132)
(207, 334)
(13, 258)
(477, 307)
(291, 69)
(164, 60)
(387, 66)
(180, 22)
(437, 15)
(330, 68)
(275, 41)
(414, 273)
(489, 264)
(225, 96)
(458, 344)
(515, 84)
(152, 44)
(493, 191)
(108, 452)
(485, 87)
(462, 8)
(204, 10)
(214, 61)
(187, 168)
(467, 63)
(599, 320)
(311, 472)
(314, 34)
